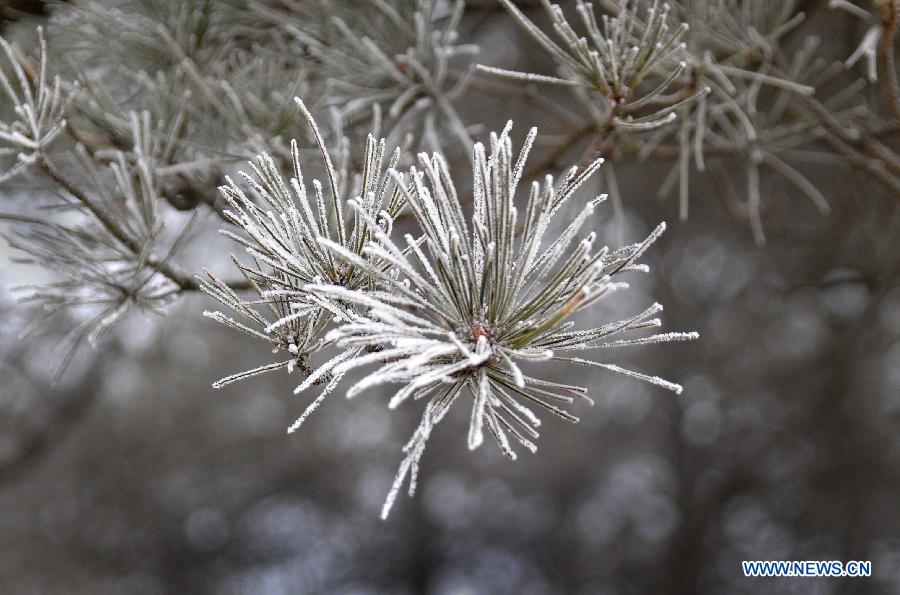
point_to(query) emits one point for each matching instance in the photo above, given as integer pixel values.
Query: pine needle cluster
(459, 306)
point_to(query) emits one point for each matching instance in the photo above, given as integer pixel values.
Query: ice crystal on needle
(461, 308)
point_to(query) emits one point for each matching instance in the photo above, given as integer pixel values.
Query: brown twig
(596, 147)
(183, 281)
(527, 93)
(888, 36)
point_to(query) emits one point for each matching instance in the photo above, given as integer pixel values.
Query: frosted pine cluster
(451, 309)
(370, 256)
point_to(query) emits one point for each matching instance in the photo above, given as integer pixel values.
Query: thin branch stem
(889, 24)
(110, 224)
(528, 94)
(553, 158)
(192, 193)
(183, 281)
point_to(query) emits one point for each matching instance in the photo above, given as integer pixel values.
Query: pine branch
(110, 224)
(889, 18)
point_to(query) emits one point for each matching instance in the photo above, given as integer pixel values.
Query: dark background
(134, 476)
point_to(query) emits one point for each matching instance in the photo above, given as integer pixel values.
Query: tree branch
(888, 36)
(183, 281)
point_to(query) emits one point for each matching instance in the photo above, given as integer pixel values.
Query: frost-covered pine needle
(282, 222)
(473, 303)
(650, 63)
(614, 56)
(38, 105)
